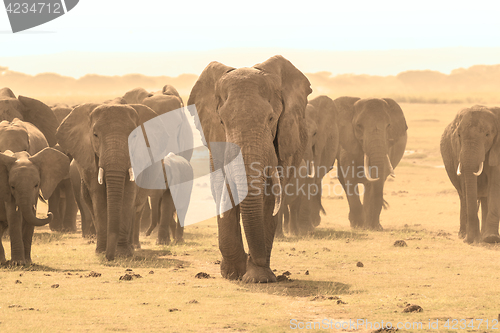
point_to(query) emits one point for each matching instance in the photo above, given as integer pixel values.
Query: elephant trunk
(29, 214)
(115, 183)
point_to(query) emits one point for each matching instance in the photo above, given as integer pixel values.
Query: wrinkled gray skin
(320, 154)
(472, 140)
(97, 137)
(62, 203)
(22, 177)
(262, 110)
(375, 128)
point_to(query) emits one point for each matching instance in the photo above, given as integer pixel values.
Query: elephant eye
(271, 118)
(95, 135)
(487, 134)
(36, 185)
(12, 187)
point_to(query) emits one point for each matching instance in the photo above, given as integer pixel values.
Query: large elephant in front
(33, 170)
(97, 138)
(322, 149)
(261, 110)
(470, 147)
(373, 140)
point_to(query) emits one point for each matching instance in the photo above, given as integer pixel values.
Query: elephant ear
(53, 166)
(145, 113)
(345, 108)
(294, 87)
(6, 92)
(169, 90)
(136, 95)
(398, 122)
(73, 135)
(204, 99)
(6, 161)
(41, 116)
(494, 156)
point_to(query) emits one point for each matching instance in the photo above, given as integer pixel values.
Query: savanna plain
(70, 288)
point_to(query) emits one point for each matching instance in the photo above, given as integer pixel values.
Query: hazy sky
(191, 28)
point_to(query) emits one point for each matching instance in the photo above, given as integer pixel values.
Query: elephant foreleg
(55, 209)
(463, 217)
(15, 220)
(490, 229)
(234, 258)
(70, 207)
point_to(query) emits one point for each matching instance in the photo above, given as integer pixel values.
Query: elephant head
(475, 142)
(261, 110)
(23, 177)
(97, 138)
(161, 102)
(370, 127)
(29, 110)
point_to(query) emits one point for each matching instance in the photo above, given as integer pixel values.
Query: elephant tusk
(311, 168)
(480, 170)
(131, 174)
(459, 172)
(100, 175)
(391, 169)
(277, 198)
(171, 154)
(367, 171)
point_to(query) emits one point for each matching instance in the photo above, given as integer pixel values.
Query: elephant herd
(77, 158)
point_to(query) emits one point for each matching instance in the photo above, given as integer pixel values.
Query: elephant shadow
(146, 258)
(302, 288)
(37, 268)
(327, 234)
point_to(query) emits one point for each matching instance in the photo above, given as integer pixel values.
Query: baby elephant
(22, 179)
(470, 147)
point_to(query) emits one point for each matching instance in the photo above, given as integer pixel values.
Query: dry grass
(436, 271)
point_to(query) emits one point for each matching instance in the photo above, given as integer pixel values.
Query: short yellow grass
(437, 271)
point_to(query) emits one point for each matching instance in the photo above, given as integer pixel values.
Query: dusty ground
(338, 275)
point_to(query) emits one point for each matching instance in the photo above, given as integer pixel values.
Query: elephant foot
(179, 241)
(68, 230)
(258, 274)
(124, 251)
(491, 238)
(472, 238)
(16, 263)
(163, 241)
(137, 246)
(234, 270)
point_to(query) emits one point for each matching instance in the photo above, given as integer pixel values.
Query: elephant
(470, 147)
(179, 170)
(373, 134)
(319, 158)
(29, 110)
(163, 101)
(261, 110)
(24, 176)
(97, 137)
(62, 203)
(88, 227)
